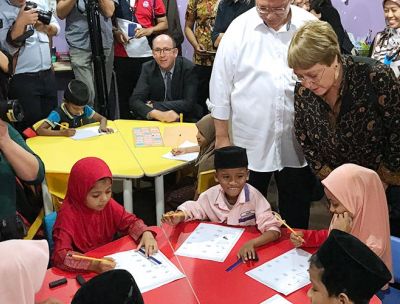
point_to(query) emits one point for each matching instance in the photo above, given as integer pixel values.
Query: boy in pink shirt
(233, 202)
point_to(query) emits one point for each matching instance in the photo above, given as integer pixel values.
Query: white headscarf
(23, 265)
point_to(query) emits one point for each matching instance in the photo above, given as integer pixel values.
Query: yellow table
(150, 158)
(59, 154)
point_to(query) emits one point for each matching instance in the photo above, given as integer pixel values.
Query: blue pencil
(234, 265)
(141, 250)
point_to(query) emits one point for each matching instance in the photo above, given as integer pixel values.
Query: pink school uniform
(250, 209)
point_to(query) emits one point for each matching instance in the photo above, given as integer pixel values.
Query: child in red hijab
(89, 218)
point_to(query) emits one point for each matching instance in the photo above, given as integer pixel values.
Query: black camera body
(44, 16)
(11, 110)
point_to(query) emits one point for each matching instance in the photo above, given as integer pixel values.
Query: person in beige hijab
(23, 265)
(186, 190)
(357, 201)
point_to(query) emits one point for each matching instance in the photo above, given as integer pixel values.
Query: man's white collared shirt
(252, 84)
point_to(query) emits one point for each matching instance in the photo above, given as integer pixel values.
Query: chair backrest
(205, 180)
(395, 242)
(48, 222)
(57, 184)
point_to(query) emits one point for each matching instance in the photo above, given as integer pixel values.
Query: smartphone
(131, 29)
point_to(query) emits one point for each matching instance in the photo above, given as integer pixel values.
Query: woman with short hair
(347, 110)
(386, 45)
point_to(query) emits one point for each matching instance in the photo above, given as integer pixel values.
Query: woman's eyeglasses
(310, 79)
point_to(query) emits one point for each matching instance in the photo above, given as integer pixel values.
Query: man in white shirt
(252, 85)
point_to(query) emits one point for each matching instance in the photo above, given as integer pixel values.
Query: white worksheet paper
(183, 157)
(286, 273)
(148, 275)
(210, 242)
(87, 133)
(276, 299)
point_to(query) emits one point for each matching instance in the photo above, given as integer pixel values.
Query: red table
(213, 284)
(175, 292)
(206, 282)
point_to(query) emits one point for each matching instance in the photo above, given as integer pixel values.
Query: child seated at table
(90, 218)
(233, 202)
(344, 270)
(357, 201)
(73, 113)
(186, 188)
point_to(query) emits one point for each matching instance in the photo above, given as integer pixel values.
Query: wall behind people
(359, 16)
(187, 50)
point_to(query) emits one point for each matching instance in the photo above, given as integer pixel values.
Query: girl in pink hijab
(23, 265)
(358, 202)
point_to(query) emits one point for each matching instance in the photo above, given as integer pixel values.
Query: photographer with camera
(16, 160)
(78, 38)
(25, 30)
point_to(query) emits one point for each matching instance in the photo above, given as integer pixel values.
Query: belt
(38, 74)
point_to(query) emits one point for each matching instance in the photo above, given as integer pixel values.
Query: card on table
(276, 299)
(148, 274)
(285, 273)
(83, 133)
(183, 157)
(147, 137)
(210, 242)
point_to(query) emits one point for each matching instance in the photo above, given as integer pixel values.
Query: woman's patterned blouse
(366, 130)
(204, 13)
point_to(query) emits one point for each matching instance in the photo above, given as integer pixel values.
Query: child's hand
(149, 243)
(68, 132)
(50, 301)
(297, 239)
(106, 130)
(173, 217)
(178, 151)
(247, 251)
(342, 222)
(101, 267)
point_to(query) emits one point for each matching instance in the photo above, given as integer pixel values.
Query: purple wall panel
(357, 17)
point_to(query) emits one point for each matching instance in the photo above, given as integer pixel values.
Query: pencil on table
(83, 257)
(279, 218)
(180, 130)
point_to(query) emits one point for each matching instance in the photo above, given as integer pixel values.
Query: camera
(11, 110)
(43, 16)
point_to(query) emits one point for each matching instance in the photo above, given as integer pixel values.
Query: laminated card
(286, 273)
(210, 242)
(147, 273)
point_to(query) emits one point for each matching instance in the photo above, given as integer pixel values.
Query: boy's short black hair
(76, 93)
(329, 279)
(349, 266)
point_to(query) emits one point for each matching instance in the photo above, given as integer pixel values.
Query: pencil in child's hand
(83, 257)
(279, 218)
(60, 125)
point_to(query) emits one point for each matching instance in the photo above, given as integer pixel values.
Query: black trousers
(37, 94)
(128, 71)
(203, 90)
(393, 200)
(295, 188)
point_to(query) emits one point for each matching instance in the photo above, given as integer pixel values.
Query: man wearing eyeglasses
(167, 85)
(252, 86)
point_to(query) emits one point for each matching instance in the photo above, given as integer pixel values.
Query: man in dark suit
(167, 85)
